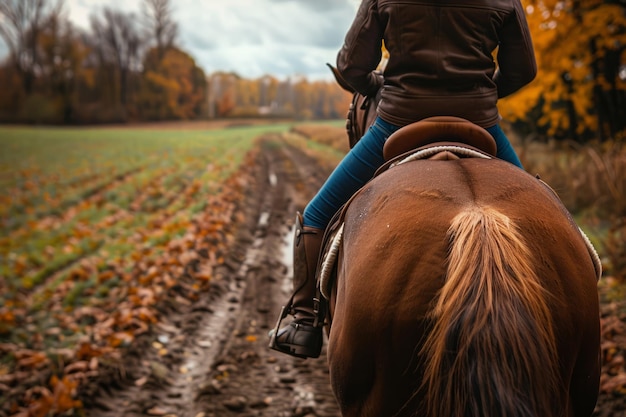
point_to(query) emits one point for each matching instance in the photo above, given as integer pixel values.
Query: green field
(97, 226)
(57, 183)
(83, 209)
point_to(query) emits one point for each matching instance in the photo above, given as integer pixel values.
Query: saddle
(437, 138)
(434, 130)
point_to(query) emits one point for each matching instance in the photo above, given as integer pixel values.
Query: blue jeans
(505, 149)
(359, 166)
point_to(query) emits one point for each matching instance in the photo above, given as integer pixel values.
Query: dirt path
(210, 358)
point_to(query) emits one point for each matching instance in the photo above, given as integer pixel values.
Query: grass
(43, 171)
(60, 187)
(98, 226)
(591, 181)
(80, 208)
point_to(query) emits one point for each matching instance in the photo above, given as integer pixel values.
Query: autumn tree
(115, 72)
(267, 91)
(62, 54)
(11, 94)
(173, 86)
(45, 65)
(117, 46)
(234, 96)
(22, 24)
(159, 24)
(222, 92)
(580, 89)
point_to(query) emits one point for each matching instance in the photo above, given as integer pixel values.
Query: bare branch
(159, 23)
(116, 42)
(22, 23)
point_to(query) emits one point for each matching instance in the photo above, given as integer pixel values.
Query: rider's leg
(301, 338)
(356, 168)
(505, 149)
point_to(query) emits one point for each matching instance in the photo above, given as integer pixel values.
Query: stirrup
(274, 332)
(312, 333)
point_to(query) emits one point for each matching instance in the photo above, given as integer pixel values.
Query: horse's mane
(492, 348)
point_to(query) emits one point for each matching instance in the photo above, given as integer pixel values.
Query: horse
(460, 287)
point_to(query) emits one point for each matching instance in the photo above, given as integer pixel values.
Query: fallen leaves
(43, 402)
(613, 378)
(64, 331)
(30, 360)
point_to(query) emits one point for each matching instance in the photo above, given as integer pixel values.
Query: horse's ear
(342, 83)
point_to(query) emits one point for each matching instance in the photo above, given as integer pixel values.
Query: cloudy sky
(250, 37)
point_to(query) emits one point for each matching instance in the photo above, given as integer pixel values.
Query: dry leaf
(156, 411)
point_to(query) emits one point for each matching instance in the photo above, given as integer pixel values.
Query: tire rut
(210, 358)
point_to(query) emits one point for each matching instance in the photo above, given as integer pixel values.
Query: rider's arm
(361, 51)
(516, 57)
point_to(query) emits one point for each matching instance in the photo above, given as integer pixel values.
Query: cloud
(81, 10)
(280, 37)
(321, 5)
(277, 60)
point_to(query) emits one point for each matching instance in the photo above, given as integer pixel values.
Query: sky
(250, 37)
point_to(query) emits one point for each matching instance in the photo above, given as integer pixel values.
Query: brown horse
(463, 289)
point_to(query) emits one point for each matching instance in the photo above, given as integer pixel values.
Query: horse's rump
(464, 289)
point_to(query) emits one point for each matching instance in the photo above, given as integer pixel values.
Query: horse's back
(394, 263)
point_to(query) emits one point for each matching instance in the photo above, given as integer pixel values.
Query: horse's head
(362, 112)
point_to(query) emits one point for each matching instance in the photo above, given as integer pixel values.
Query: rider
(441, 63)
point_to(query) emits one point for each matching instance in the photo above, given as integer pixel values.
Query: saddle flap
(438, 129)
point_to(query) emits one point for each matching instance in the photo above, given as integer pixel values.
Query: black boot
(301, 338)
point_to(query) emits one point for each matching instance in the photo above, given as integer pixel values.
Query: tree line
(295, 97)
(130, 68)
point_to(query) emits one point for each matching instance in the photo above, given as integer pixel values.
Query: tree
(173, 87)
(579, 92)
(62, 55)
(22, 23)
(161, 28)
(117, 45)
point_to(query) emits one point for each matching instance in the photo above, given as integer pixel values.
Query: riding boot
(301, 337)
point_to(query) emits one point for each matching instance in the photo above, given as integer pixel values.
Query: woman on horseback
(441, 63)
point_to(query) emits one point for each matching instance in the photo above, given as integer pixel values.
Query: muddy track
(210, 357)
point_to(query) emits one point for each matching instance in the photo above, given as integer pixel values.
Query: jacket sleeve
(516, 57)
(361, 51)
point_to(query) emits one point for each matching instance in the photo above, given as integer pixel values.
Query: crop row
(81, 276)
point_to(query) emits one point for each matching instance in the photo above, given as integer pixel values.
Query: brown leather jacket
(441, 61)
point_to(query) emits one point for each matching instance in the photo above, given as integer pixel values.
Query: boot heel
(305, 351)
(298, 339)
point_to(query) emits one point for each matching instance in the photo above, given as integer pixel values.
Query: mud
(210, 358)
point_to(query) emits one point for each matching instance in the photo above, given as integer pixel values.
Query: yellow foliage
(517, 106)
(174, 87)
(563, 35)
